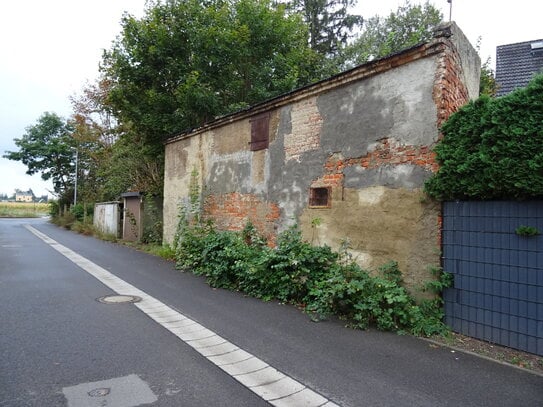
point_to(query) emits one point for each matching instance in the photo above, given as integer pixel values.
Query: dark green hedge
(493, 149)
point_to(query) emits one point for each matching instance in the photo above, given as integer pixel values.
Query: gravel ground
(499, 353)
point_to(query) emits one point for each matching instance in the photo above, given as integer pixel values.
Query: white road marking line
(267, 382)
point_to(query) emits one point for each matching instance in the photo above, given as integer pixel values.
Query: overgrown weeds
(316, 278)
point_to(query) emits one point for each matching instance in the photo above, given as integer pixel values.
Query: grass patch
(164, 251)
(23, 209)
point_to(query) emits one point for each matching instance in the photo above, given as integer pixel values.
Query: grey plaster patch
(285, 120)
(354, 116)
(290, 181)
(127, 391)
(392, 176)
(229, 173)
(396, 103)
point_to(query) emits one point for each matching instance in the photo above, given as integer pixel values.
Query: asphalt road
(56, 339)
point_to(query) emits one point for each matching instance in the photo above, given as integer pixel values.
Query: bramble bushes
(316, 278)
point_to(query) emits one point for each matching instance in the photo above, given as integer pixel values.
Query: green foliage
(164, 251)
(427, 316)
(54, 208)
(487, 85)
(291, 270)
(48, 148)
(329, 22)
(65, 220)
(320, 280)
(82, 211)
(527, 231)
(84, 227)
(441, 281)
(152, 224)
(493, 149)
(352, 293)
(131, 165)
(408, 26)
(186, 62)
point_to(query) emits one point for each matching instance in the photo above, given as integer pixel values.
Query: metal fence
(498, 271)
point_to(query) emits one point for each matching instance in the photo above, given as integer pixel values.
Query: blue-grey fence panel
(498, 273)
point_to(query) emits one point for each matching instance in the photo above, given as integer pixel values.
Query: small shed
(132, 215)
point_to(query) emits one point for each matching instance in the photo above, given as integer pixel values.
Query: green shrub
(493, 149)
(82, 211)
(320, 280)
(292, 269)
(84, 227)
(352, 293)
(523, 230)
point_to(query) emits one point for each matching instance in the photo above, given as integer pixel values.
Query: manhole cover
(102, 392)
(119, 299)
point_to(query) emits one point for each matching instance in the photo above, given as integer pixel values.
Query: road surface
(186, 344)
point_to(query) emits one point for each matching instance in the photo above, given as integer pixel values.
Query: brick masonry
(306, 124)
(233, 211)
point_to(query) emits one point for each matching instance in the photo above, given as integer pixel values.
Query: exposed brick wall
(306, 125)
(386, 152)
(232, 211)
(450, 93)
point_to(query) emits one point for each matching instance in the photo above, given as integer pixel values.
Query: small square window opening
(319, 197)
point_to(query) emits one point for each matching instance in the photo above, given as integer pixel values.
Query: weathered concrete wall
(366, 134)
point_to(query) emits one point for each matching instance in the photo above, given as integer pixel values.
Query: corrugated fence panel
(498, 275)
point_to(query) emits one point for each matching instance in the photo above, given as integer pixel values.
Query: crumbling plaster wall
(369, 140)
(374, 154)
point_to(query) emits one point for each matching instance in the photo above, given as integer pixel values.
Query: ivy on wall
(493, 149)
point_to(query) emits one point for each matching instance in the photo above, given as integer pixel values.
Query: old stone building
(352, 152)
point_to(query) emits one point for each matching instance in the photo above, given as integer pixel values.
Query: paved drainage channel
(262, 379)
(119, 299)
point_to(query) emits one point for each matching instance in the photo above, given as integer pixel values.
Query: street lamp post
(75, 184)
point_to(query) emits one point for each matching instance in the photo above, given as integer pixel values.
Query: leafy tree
(90, 108)
(488, 85)
(48, 148)
(130, 166)
(493, 148)
(408, 26)
(185, 62)
(330, 24)
(95, 133)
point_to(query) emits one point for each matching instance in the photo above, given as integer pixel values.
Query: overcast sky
(51, 48)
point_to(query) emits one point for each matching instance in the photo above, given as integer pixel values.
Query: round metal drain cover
(101, 392)
(119, 299)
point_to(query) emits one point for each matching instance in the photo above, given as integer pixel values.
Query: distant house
(24, 196)
(516, 64)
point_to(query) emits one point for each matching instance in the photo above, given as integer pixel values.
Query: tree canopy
(186, 62)
(493, 148)
(48, 148)
(408, 26)
(329, 22)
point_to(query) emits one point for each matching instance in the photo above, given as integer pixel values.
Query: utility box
(107, 217)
